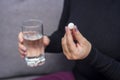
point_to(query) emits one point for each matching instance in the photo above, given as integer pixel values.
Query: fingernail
(76, 29)
(24, 49)
(66, 29)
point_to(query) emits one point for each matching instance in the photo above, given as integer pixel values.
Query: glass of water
(33, 40)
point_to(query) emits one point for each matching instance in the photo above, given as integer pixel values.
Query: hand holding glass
(33, 40)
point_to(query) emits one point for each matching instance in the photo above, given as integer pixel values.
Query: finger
(77, 35)
(20, 37)
(46, 40)
(22, 47)
(65, 49)
(22, 53)
(64, 45)
(69, 39)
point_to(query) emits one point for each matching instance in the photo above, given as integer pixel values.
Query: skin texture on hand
(78, 50)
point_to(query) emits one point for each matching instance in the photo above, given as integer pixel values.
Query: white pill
(70, 25)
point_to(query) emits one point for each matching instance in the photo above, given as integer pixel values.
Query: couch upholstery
(12, 14)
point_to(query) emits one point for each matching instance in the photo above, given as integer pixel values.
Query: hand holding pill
(75, 46)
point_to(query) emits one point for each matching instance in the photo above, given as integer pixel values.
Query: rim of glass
(37, 23)
(32, 20)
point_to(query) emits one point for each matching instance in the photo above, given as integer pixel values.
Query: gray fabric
(12, 14)
(23, 78)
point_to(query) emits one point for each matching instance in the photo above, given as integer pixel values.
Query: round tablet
(71, 25)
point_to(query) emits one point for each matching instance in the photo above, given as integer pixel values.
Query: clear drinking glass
(33, 40)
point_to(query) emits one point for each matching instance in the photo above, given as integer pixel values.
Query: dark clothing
(99, 22)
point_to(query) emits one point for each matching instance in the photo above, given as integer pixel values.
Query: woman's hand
(22, 49)
(75, 46)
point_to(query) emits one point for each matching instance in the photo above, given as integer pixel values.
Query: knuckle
(71, 50)
(20, 51)
(69, 44)
(19, 46)
(68, 57)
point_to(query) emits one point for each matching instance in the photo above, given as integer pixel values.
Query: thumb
(46, 41)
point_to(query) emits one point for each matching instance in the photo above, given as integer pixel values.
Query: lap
(58, 76)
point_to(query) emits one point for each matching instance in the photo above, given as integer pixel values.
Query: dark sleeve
(55, 38)
(106, 65)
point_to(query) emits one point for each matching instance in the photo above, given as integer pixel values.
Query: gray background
(12, 14)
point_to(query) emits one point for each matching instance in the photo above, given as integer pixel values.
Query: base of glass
(35, 61)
